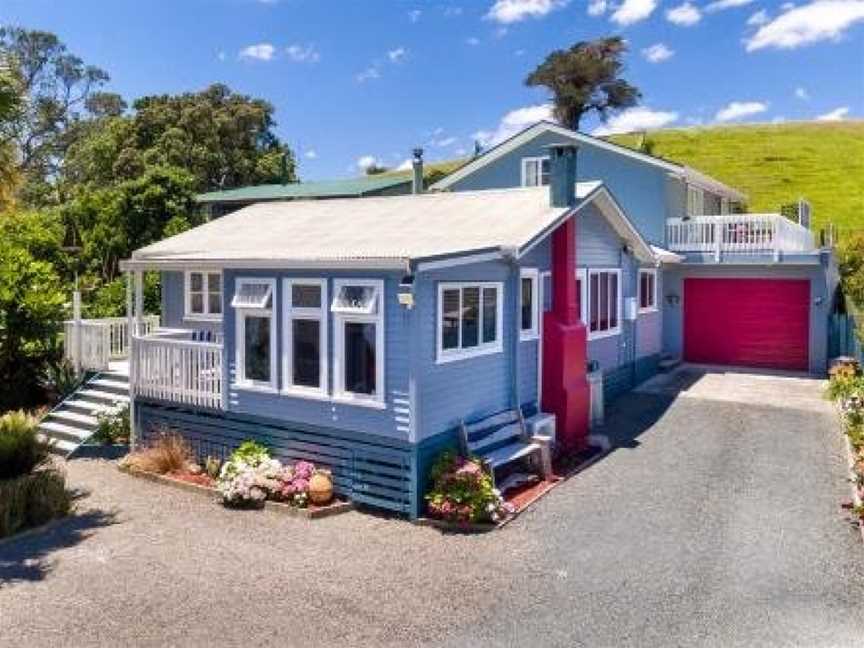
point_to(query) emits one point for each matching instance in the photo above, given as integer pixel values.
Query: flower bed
(846, 388)
(462, 493)
(249, 479)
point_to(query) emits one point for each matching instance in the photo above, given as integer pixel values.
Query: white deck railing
(101, 340)
(177, 370)
(738, 234)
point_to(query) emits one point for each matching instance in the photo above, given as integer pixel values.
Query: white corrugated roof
(397, 228)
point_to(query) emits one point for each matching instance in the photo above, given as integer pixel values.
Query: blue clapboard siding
(394, 421)
(368, 469)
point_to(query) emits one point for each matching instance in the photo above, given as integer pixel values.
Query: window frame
(652, 308)
(241, 313)
(609, 332)
(696, 205)
(442, 355)
(534, 160)
(532, 333)
(340, 318)
(289, 314)
(582, 287)
(206, 315)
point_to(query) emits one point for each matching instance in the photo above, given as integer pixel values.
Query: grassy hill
(776, 163)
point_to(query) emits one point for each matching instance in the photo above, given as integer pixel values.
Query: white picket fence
(177, 370)
(101, 340)
(738, 234)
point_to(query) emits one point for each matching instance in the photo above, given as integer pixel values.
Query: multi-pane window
(305, 335)
(358, 311)
(604, 302)
(535, 171)
(528, 304)
(469, 319)
(647, 290)
(256, 333)
(204, 294)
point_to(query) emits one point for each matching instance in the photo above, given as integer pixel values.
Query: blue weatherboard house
(369, 334)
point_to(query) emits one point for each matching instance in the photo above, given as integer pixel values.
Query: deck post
(135, 313)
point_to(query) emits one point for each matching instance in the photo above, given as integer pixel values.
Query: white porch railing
(177, 370)
(101, 340)
(738, 234)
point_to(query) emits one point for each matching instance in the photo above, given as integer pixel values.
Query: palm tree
(586, 78)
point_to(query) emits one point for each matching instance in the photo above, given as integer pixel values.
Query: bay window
(529, 314)
(203, 295)
(305, 335)
(604, 302)
(647, 291)
(535, 171)
(256, 333)
(358, 311)
(469, 319)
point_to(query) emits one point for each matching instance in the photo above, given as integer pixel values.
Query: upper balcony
(739, 234)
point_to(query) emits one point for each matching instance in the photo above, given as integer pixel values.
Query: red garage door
(747, 322)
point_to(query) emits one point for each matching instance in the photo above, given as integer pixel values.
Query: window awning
(253, 294)
(357, 299)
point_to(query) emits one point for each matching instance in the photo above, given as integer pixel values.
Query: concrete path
(715, 523)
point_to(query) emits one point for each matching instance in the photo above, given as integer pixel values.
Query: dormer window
(535, 171)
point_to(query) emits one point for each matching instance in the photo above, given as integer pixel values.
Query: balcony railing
(738, 234)
(95, 342)
(170, 366)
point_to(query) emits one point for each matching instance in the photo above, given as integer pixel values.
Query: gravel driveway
(714, 523)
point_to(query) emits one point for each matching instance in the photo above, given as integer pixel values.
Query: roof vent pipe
(562, 175)
(417, 167)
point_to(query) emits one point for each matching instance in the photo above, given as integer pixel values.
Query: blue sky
(352, 81)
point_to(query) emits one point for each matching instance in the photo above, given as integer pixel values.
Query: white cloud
(473, 41)
(259, 52)
(801, 93)
(633, 11)
(657, 53)
(513, 122)
(512, 11)
(311, 154)
(597, 7)
(519, 52)
(684, 15)
(366, 161)
(368, 74)
(817, 21)
(758, 18)
(738, 109)
(303, 54)
(450, 12)
(405, 165)
(720, 5)
(786, 6)
(221, 55)
(414, 15)
(396, 55)
(779, 119)
(636, 119)
(838, 114)
(445, 141)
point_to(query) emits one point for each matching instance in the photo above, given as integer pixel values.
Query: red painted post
(565, 383)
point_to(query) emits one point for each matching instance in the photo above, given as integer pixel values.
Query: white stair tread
(90, 406)
(106, 383)
(508, 453)
(101, 395)
(69, 415)
(67, 430)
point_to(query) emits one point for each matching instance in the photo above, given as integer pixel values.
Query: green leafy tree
(850, 258)
(31, 306)
(586, 78)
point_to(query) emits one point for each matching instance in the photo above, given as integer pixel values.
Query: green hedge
(31, 500)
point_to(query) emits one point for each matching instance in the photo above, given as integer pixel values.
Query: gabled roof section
(349, 188)
(525, 136)
(375, 232)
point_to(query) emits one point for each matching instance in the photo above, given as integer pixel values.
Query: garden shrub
(112, 425)
(167, 453)
(462, 491)
(32, 499)
(21, 449)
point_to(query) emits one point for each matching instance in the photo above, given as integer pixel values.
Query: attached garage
(747, 322)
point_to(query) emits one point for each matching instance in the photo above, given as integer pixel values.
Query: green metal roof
(323, 189)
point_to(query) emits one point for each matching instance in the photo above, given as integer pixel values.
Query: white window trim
(451, 355)
(598, 335)
(539, 161)
(653, 307)
(532, 333)
(240, 315)
(339, 320)
(289, 314)
(187, 295)
(696, 206)
(582, 277)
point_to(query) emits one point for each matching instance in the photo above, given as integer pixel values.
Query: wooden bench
(503, 438)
